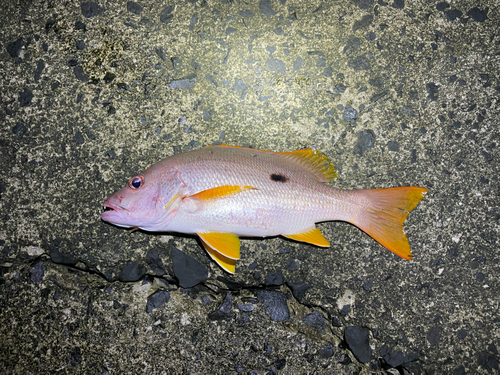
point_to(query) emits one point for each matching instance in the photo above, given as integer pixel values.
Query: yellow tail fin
(384, 217)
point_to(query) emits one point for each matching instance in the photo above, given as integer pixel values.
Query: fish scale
(222, 193)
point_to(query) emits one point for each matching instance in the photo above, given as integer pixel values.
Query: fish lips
(116, 214)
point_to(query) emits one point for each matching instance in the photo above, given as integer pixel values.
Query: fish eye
(136, 182)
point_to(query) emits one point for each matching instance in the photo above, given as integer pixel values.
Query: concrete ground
(394, 93)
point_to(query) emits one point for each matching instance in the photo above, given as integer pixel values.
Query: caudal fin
(385, 214)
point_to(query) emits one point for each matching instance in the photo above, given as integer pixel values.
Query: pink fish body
(222, 193)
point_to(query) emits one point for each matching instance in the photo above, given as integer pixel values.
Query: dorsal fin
(314, 162)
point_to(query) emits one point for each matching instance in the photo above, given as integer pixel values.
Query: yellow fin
(383, 219)
(220, 192)
(226, 244)
(228, 265)
(314, 162)
(312, 236)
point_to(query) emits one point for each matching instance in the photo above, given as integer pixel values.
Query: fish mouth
(108, 206)
(115, 214)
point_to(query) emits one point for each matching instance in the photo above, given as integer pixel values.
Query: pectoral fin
(220, 192)
(312, 236)
(226, 244)
(228, 265)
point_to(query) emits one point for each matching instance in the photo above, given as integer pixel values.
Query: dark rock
(79, 25)
(185, 83)
(246, 307)
(349, 114)
(292, 265)
(357, 340)
(453, 14)
(90, 9)
(462, 334)
(492, 348)
(240, 85)
(432, 89)
(346, 309)
(206, 299)
(368, 285)
(207, 115)
(275, 304)
(326, 351)
(231, 30)
(280, 363)
(80, 74)
(155, 263)
(359, 63)
(19, 129)
(434, 335)
(188, 270)
(393, 146)
(363, 4)
(166, 15)
(134, 7)
(61, 258)
(314, 319)
(299, 290)
(265, 8)
(40, 65)
(75, 356)
(14, 48)
(274, 278)
(399, 4)
(487, 361)
(298, 63)
(37, 272)
(328, 71)
(276, 65)
(161, 54)
(371, 36)
(156, 300)
(79, 137)
(109, 77)
(271, 49)
(132, 272)
(352, 45)
(25, 97)
(478, 15)
(366, 140)
(392, 358)
(442, 6)
(365, 21)
(192, 22)
(224, 311)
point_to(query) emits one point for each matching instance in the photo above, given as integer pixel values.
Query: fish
(221, 193)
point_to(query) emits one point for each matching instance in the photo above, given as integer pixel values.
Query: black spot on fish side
(278, 177)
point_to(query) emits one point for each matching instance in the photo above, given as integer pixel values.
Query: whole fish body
(222, 193)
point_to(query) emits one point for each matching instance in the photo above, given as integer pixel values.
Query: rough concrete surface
(394, 93)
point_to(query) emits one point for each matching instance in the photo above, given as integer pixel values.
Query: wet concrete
(394, 93)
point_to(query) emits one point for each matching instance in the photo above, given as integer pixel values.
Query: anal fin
(228, 265)
(226, 244)
(313, 236)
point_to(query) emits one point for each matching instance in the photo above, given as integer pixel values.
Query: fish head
(145, 202)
